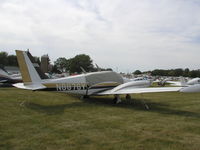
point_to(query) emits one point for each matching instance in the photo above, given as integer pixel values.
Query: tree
(161, 72)
(178, 72)
(62, 64)
(3, 58)
(79, 61)
(55, 69)
(37, 60)
(12, 60)
(194, 73)
(171, 73)
(186, 72)
(137, 72)
(109, 69)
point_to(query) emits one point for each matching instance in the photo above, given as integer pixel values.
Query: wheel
(128, 96)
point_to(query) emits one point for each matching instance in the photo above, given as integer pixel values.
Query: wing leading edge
(140, 90)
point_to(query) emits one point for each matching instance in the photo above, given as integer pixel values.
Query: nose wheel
(84, 97)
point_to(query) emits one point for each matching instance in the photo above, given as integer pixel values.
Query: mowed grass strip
(50, 120)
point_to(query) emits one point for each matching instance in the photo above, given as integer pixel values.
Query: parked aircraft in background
(169, 81)
(192, 85)
(193, 81)
(87, 84)
(6, 78)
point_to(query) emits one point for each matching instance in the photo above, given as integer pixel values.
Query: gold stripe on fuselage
(50, 85)
(107, 84)
(54, 85)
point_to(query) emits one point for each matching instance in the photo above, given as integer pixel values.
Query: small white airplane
(87, 84)
(165, 81)
(192, 85)
(6, 78)
(193, 81)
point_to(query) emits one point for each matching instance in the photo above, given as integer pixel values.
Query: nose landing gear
(117, 99)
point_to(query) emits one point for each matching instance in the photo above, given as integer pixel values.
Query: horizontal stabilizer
(30, 86)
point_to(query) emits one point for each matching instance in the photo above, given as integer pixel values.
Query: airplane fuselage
(87, 84)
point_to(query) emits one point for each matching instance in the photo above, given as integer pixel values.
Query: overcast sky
(123, 34)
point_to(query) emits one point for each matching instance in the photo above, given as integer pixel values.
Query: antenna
(98, 68)
(83, 70)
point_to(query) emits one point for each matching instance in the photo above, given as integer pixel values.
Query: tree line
(8, 60)
(11, 60)
(74, 64)
(172, 72)
(77, 64)
(83, 61)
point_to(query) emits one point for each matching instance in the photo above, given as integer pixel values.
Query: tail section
(29, 69)
(23, 66)
(36, 66)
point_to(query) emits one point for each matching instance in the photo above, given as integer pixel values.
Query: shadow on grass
(138, 104)
(133, 104)
(6, 88)
(51, 109)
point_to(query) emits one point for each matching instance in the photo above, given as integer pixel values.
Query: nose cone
(191, 89)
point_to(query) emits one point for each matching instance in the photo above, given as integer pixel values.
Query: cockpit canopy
(104, 76)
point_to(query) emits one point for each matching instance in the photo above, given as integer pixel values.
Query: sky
(124, 35)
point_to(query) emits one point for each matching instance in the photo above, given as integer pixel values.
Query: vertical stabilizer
(28, 71)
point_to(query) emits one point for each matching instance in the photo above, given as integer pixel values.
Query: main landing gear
(84, 97)
(128, 97)
(117, 99)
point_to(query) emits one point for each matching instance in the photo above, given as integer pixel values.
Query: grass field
(57, 121)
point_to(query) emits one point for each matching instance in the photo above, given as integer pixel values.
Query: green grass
(58, 121)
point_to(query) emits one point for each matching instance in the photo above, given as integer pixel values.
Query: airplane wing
(140, 90)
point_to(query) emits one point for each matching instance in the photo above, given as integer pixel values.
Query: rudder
(28, 71)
